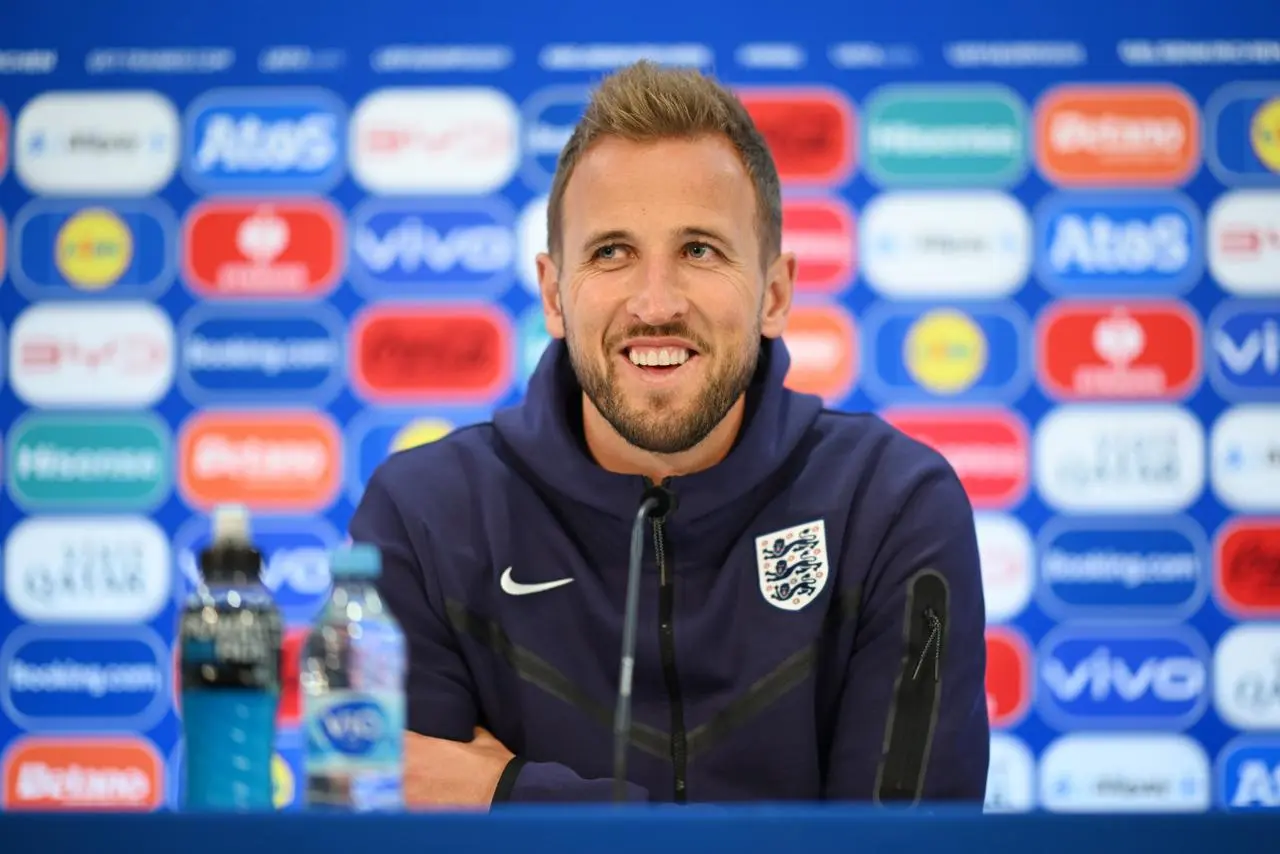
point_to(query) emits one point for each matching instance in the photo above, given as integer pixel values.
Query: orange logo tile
(102, 774)
(822, 343)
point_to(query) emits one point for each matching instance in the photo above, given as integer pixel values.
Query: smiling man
(811, 621)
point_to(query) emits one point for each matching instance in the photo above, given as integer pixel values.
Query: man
(811, 614)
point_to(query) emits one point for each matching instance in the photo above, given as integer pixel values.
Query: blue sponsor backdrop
(270, 102)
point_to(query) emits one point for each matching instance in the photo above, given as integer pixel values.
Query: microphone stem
(622, 716)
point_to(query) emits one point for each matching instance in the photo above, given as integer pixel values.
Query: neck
(615, 454)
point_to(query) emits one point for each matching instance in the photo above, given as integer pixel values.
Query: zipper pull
(934, 624)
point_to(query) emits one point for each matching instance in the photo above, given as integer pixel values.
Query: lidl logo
(946, 353)
(1121, 677)
(374, 438)
(1126, 136)
(268, 140)
(84, 679)
(1140, 350)
(945, 135)
(822, 343)
(230, 355)
(422, 249)
(447, 354)
(1243, 146)
(1109, 569)
(988, 448)
(117, 462)
(1249, 775)
(1139, 244)
(263, 249)
(295, 561)
(1008, 680)
(271, 461)
(1244, 350)
(1246, 576)
(549, 117)
(821, 234)
(811, 132)
(533, 340)
(109, 773)
(64, 250)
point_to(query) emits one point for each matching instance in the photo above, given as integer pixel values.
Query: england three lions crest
(792, 565)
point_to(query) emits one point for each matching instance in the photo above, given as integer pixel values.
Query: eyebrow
(618, 234)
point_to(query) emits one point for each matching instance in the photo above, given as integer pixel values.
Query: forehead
(646, 187)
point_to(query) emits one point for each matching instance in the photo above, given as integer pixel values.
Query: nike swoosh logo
(515, 588)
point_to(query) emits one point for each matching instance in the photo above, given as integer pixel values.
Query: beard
(656, 425)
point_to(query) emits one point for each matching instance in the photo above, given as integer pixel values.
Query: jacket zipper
(914, 713)
(667, 645)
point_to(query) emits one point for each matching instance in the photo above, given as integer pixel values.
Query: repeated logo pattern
(258, 293)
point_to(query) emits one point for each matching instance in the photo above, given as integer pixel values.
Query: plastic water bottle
(229, 639)
(352, 686)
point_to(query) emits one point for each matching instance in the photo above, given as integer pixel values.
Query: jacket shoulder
(866, 444)
(453, 462)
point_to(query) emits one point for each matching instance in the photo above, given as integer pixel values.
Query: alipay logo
(1249, 775)
(1113, 569)
(429, 249)
(262, 139)
(295, 561)
(1244, 347)
(1142, 244)
(84, 679)
(1119, 678)
(108, 462)
(268, 355)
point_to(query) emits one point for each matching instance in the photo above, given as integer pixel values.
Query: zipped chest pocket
(913, 714)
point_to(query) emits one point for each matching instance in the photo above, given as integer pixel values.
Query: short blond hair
(645, 102)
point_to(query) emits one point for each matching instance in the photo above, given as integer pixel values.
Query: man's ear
(779, 286)
(549, 290)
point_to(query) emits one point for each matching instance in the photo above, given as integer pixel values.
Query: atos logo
(1141, 244)
(427, 249)
(1122, 678)
(1244, 339)
(1105, 568)
(265, 140)
(353, 728)
(267, 355)
(1249, 775)
(295, 555)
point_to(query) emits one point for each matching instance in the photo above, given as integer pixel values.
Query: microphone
(656, 502)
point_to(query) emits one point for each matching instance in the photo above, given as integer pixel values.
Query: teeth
(658, 356)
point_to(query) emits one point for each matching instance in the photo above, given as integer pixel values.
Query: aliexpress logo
(1008, 677)
(1090, 136)
(82, 774)
(822, 343)
(273, 461)
(439, 354)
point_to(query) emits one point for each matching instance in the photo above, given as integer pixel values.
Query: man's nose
(659, 296)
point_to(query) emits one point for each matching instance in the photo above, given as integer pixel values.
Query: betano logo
(440, 354)
(270, 461)
(114, 774)
(822, 343)
(810, 131)
(1135, 350)
(1124, 136)
(939, 135)
(988, 448)
(263, 248)
(121, 250)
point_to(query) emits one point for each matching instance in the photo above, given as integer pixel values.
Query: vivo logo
(1244, 338)
(354, 728)
(1147, 679)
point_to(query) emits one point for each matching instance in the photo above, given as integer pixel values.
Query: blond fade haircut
(647, 103)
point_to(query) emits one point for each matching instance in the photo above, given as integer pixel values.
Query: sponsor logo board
(1129, 774)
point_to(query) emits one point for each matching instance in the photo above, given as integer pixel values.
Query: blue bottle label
(355, 749)
(229, 744)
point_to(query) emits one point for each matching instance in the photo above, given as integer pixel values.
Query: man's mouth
(658, 359)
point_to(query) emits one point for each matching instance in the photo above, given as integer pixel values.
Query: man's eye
(608, 252)
(701, 250)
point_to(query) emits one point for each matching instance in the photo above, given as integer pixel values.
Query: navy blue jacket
(811, 615)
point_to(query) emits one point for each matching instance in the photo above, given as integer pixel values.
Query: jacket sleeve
(440, 696)
(913, 725)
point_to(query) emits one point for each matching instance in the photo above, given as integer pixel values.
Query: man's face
(660, 291)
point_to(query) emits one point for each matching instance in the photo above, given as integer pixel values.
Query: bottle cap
(230, 557)
(356, 560)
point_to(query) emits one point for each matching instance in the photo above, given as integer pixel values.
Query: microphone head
(664, 501)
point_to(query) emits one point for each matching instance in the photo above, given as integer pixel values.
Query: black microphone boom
(656, 502)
